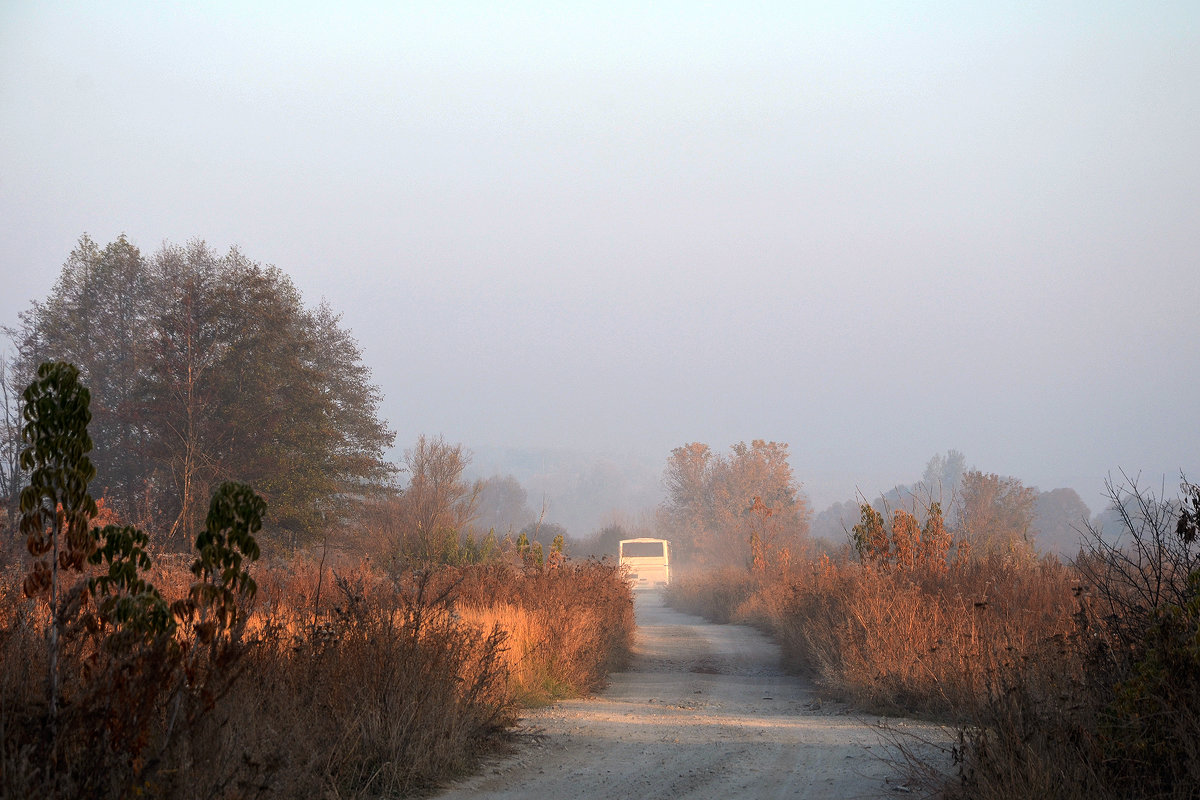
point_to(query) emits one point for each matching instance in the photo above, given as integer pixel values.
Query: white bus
(647, 561)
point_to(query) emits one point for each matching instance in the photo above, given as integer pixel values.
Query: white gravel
(704, 712)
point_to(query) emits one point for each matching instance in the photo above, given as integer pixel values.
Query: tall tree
(11, 474)
(690, 502)
(208, 368)
(95, 318)
(503, 505)
(942, 482)
(1060, 519)
(183, 402)
(56, 508)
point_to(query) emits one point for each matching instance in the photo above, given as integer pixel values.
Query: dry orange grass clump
(564, 629)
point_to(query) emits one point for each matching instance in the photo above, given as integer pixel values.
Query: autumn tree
(439, 502)
(907, 545)
(765, 532)
(936, 539)
(870, 537)
(996, 513)
(717, 504)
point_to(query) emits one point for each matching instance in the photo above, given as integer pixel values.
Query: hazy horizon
(874, 232)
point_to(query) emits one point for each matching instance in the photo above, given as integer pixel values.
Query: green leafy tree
(95, 318)
(56, 508)
(124, 599)
(225, 549)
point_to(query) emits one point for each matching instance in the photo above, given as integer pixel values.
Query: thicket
(1063, 680)
(127, 673)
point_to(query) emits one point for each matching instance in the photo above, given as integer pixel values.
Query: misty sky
(874, 231)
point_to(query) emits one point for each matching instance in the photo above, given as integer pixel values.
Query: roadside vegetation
(1076, 680)
(357, 639)
(345, 682)
(252, 604)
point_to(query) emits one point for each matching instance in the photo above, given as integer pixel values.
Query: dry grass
(570, 626)
(339, 684)
(894, 640)
(523, 646)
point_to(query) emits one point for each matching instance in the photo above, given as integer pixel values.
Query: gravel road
(704, 712)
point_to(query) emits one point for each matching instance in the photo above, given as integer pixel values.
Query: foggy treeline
(994, 510)
(205, 367)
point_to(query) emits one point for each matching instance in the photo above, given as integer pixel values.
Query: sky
(875, 231)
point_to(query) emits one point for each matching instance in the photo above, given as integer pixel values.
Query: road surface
(705, 713)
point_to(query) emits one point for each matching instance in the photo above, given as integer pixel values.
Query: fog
(875, 232)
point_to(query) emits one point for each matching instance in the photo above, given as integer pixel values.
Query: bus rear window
(642, 550)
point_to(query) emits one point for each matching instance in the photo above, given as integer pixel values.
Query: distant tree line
(205, 368)
(987, 512)
(746, 508)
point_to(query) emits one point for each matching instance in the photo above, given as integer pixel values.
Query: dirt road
(705, 713)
